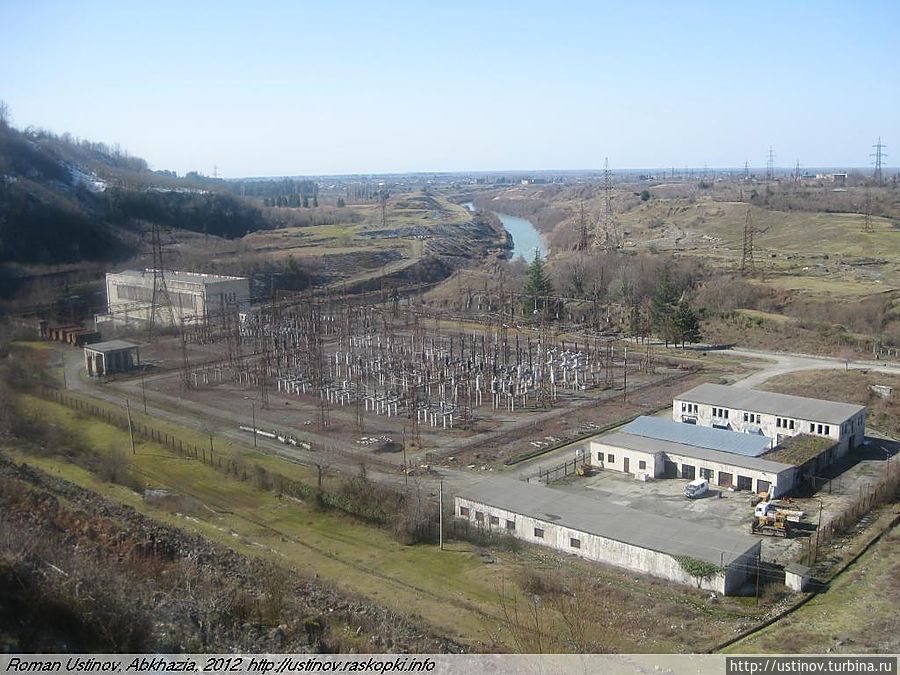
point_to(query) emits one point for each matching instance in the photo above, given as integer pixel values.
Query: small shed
(112, 356)
(796, 576)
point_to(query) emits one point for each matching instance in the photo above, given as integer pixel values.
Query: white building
(194, 296)
(597, 529)
(776, 415)
(661, 448)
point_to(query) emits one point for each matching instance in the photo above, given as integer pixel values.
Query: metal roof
(783, 405)
(749, 445)
(652, 446)
(672, 536)
(111, 346)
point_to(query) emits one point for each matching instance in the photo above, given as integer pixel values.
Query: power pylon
(770, 165)
(160, 302)
(877, 156)
(746, 170)
(607, 233)
(747, 264)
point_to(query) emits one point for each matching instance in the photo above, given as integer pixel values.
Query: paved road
(779, 363)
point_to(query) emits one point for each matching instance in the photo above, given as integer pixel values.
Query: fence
(560, 471)
(871, 495)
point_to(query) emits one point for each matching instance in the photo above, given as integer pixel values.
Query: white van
(696, 488)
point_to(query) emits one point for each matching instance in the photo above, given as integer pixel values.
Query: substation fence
(871, 495)
(560, 471)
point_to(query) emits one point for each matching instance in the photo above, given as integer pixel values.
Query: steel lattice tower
(160, 301)
(877, 156)
(747, 264)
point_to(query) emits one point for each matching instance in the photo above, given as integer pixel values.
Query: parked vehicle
(696, 488)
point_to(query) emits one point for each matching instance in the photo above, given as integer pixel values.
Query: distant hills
(65, 201)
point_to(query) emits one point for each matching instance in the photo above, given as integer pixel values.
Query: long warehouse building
(599, 530)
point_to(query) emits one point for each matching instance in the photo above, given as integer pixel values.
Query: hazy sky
(276, 88)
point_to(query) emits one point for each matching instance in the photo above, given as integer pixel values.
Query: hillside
(64, 201)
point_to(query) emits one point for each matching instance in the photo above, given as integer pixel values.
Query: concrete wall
(97, 364)
(601, 549)
(851, 432)
(600, 457)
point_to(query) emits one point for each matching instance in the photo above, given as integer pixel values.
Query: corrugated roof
(621, 439)
(784, 405)
(672, 536)
(749, 445)
(111, 346)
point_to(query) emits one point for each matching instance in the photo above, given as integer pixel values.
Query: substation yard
(389, 388)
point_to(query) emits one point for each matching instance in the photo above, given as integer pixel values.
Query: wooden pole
(130, 426)
(441, 514)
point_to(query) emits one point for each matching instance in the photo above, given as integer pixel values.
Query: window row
(464, 512)
(690, 407)
(784, 423)
(822, 429)
(611, 459)
(720, 412)
(752, 417)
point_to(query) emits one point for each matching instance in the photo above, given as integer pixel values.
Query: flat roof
(749, 445)
(603, 518)
(628, 441)
(111, 346)
(176, 275)
(771, 403)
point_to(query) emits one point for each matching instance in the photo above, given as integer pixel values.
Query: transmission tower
(797, 171)
(607, 234)
(160, 303)
(878, 155)
(770, 165)
(746, 170)
(747, 264)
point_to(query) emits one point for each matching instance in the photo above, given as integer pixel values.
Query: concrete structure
(113, 356)
(796, 576)
(661, 448)
(194, 296)
(606, 532)
(776, 415)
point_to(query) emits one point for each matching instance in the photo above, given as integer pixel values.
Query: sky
(271, 88)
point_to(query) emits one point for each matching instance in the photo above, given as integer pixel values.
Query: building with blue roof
(653, 447)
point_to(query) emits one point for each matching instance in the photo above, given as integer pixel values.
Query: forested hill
(65, 201)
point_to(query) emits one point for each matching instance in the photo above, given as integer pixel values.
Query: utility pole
(253, 412)
(625, 377)
(747, 264)
(143, 389)
(130, 426)
(878, 155)
(441, 514)
(867, 226)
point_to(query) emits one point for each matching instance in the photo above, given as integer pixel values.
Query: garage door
(670, 469)
(763, 485)
(687, 471)
(725, 479)
(744, 483)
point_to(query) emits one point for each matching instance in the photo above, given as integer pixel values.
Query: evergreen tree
(687, 323)
(537, 286)
(662, 306)
(341, 203)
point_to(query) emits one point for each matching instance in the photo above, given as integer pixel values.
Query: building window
(600, 457)
(464, 511)
(539, 533)
(726, 413)
(812, 428)
(819, 427)
(642, 464)
(683, 406)
(494, 520)
(611, 458)
(790, 424)
(778, 422)
(745, 417)
(479, 517)
(510, 524)
(826, 429)
(574, 543)
(706, 473)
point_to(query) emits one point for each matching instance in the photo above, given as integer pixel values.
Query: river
(525, 237)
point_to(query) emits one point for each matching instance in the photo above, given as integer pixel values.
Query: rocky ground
(80, 573)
